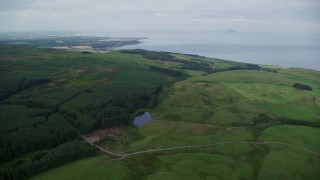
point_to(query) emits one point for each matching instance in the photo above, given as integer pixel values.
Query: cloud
(160, 15)
(163, 14)
(55, 15)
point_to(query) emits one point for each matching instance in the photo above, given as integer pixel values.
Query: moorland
(213, 118)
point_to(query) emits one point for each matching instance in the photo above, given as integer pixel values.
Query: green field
(88, 168)
(283, 163)
(51, 97)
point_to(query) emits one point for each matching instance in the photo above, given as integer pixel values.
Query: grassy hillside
(222, 119)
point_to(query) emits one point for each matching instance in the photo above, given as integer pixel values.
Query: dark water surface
(142, 118)
(283, 49)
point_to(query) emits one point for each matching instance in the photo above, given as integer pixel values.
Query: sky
(160, 15)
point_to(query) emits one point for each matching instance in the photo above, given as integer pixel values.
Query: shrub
(302, 86)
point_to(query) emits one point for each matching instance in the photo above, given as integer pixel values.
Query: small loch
(142, 118)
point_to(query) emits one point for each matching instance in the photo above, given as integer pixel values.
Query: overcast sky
(160, 15)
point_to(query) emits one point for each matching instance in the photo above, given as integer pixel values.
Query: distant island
(229, 31)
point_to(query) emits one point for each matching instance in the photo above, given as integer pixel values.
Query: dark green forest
(49, 98)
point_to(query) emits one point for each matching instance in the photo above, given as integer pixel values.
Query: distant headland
(229, 31)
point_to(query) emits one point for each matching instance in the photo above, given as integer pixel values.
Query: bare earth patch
(60, 47)
(109, 70)
(116, 132)
(81, 47)
(58, 83)
(103, 80)
(80, 71)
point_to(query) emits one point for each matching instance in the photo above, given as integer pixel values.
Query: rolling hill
(213, 118)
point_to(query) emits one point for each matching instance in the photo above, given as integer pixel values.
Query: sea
(300, 50)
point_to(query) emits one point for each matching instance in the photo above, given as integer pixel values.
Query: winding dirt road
(124, 155)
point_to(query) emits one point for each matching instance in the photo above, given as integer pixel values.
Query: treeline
(191, 55)
(44, 160)
(165, 56)
(152, 55)
(10, 88)
(190, 64)
(33, 104)
(261, 118)
(33, 82)
(299, 122)
(169, 72)
(240, 67)
(269, 70)
(157, 55)
(247, 67)
(118, 111)
(197, 66)
(22, 134)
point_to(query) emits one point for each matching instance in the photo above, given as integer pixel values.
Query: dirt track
(123, 155)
